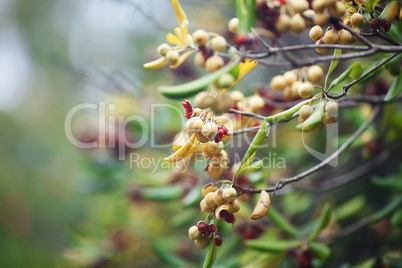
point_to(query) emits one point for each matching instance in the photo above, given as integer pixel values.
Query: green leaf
(254, 146)
(183, 218)
(242, 15)
(390, 11)
(285, 115)
(166, 256)
(320, 250)
(195, 86)
(393, 183)
(164, 193)
(272, 245)
(334, 63)
(350, 207)
(252, 14)
(193, 196)
(253, 167)
(322, 222)
(387, 210)
(396, 220)
(395, 88)
(371, 5)
(211, 254)
(314, 120)
(354, 70)
(281, 222)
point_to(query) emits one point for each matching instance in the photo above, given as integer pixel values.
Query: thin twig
(300, 176)
(248, 114)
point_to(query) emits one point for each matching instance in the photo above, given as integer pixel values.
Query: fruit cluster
(292, 84)
(329, 117)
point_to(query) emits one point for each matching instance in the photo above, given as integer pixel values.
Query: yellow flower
(181, 39)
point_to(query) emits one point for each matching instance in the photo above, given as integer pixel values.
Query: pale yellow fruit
(297, 24)
(357, 19)
(345, 37)
(306, 90)
(321, 50)
(172, 56)
(214, 63)
(229, 194)
(200, 37)
(202, 243)
(194, 233)
(332, 108)
(237, 96)
(199, 60)
(193, 125)
(204, 100)
(256, 103)
(218, 43)
(305, 112)
(290, 77)
(315, 33)
(163, 49)
(233, 25)
(315, 73)
(209, 130)
(331, 37)
(278, 82)
(283, 23)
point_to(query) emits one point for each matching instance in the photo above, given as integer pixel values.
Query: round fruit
(321, 19)
(338, 10)
(321, 50)
(194, 233)
(163, 49)
(234, 206)
(256, 103)
(347, 22)
(222, 103)
(290, 77)
(306, 90)
(233, 25)
(201, 138)
(309, 13)
(229, 194)
(305, 112)
(283, 23)
(345, 37)
(278, 82)
(200, 37)
(202, 243)
(225, 81)
(315, 33)
(332, 108)
(315, 73)
(297, 24)
(331, 37)
(299, 5)
(172, 56)
(218, 43)
(199, 60)
(209, 130)
(357, 19)
(203, 100)
(214, 63)
(237, 96)
(318, 5)
(218, 197)
(193, 125)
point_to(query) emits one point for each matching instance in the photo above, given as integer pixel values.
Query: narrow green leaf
(320, 250)
(255, 145)
(395, 88)
(211, 254)
(322, 222)
(387, 210)
(242, 15)
(314, 120)
(195, 86)
(355, 68)
(252, 14)
(371, 5)
(334, 63)
(164, 193)
(193, 196)
(285, 115)
(281, 222)
(392, 183)
(396, 220)
(251, 168)
(356, 71)
(272, 245)
(350, 207)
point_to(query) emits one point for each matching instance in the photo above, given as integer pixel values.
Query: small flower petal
(180, 15)
(173, 39)
(156, 64)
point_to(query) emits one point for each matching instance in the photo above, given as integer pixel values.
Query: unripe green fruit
(163, 49)
(331, 37)
(233, 25)
(222, 103)
(202, 243)
(256, 103)
(199, 60)
(218, 43)
(332, 108)
(290, 77)
(204, 100)
(305, 112)
(306, 90)
(193, 125)
(345, 37)
(338, 10)
(194, 233)
(214, 63)
(315, 33)
(321, 50)
(172, 56)
(283, 23)
(229, 194)
(237, 96)
(200, 37)
(297, 24)
(278, 82)
(315, 73)
(357, 19)
(209, 130)
(225, 81)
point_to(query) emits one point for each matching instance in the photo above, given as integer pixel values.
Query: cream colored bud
(315, 33)
(305, 112)
(172, 56)
(234, 206)
(204, 207)
(199, 60)
(200, 37)
(321, 19)
(297, 24)
(209, 200)
(229, 194)
(315, 73)
(209, 130)
(194, 233)
(233, 25)
(345, 37)
(225, 81)
(193, 125)
(306, 90)
(278, 82)
(237, 96)
(204, 100)
(214, 63)
(299, 5)
(262, 207)
(283, 23)
(202, 243)
(290, 77)
(332, 108)
(218, 43)
(256, 103)
(163, 49)
(338, 10)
